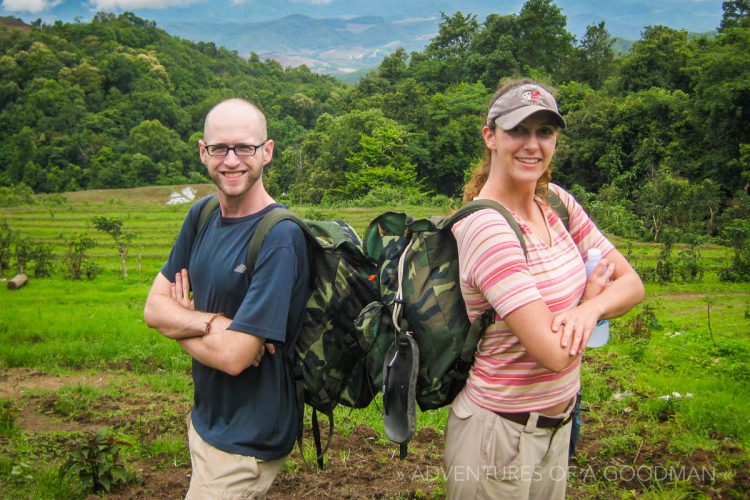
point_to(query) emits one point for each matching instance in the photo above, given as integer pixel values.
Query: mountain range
(341, 37)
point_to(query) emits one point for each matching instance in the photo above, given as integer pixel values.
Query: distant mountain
(333, 45)
(343, 36)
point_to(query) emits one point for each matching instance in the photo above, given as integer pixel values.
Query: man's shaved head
(236, 106)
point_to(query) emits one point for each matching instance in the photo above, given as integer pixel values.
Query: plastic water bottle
(600, 335)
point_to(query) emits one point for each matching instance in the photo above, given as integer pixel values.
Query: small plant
(737, 234)
(75, 401)
(7, 235)
(76, 258)
(688, 263)
(21, 473)
(42, 257)
(8, 414)
(113, 227)
(22, 251)
(665, 266)
(315, 213)
(95, 459)
(637, 331)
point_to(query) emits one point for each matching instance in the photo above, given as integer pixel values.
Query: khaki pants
(490, 457)
(221, 475)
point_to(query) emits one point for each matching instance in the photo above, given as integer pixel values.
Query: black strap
(207, 210)
(403, 450)
(316, 437)
(554, 201)
(473, 206)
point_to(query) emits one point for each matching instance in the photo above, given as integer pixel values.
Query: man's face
(234, 125)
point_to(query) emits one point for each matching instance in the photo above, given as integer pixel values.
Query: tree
(659, 59)
(443, 61)
(593, 60)
(158, 142)
(722, 108)
(543, 40)
(455, 122)
(736, 14)
(113, 227)
(77, 259)
(380, 161)
(493, 51)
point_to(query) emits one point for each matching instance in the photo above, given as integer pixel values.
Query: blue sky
(625, 18)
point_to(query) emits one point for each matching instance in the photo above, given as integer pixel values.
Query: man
(244, 419)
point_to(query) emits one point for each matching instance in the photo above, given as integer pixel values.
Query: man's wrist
(207, 323)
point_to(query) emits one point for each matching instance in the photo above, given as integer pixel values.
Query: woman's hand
(579, 322)
(599, 279)
(577, 325)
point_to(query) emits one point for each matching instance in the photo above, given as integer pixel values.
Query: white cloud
(29, 5)
(139, 4)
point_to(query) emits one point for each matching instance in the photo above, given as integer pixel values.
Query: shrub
(22, 251)
(14, 196)
(7, 235)
(737, 235)
(42, 257)
(77, 260)
(8, 414)
(95, 459)
(638, 330)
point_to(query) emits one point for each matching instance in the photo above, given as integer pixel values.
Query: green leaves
(95, 460)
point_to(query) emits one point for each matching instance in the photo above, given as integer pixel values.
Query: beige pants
(221, 475)
(490, 457)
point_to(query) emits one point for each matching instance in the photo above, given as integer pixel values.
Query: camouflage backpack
(421, 298)
(330, 353)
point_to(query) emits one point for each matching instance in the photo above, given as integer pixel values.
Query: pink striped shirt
(495, 274)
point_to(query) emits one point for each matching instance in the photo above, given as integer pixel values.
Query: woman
(508, 431)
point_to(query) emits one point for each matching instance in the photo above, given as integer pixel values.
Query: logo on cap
(532, 96)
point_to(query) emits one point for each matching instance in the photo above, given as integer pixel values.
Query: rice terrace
(667, 401)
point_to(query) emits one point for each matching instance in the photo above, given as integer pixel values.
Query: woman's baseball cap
(520, 102)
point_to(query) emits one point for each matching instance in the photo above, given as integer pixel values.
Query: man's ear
(202, 151)
(268, 152)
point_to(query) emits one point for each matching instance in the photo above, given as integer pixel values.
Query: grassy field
(667, 402)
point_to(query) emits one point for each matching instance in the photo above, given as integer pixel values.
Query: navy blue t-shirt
(253, 413)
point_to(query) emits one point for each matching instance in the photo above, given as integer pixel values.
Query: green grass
(59, 326)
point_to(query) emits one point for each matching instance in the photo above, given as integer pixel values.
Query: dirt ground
(361, 465)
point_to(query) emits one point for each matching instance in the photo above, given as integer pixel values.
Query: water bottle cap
(594, 253)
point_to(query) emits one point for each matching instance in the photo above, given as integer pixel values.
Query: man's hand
(181, 290)
(181, 293)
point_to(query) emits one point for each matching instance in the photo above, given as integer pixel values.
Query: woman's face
(524, 152)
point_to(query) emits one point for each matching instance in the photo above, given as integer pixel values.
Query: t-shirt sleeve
(492, 264)
(179, 257)
(265, 308)
(582, 229)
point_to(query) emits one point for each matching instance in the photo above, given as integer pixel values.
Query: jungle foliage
(657, 138)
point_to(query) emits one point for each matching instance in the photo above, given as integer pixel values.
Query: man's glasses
(239, 149)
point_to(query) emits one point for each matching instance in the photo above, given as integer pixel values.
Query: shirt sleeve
(179, 257)
(492, 264)
(265, 308)
(582, 229)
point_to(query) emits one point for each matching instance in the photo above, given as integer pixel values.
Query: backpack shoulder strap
(559, 207)
(264, 227)
(206, 212)
(473, 206)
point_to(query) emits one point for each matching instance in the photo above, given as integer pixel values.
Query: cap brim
(512, 119)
